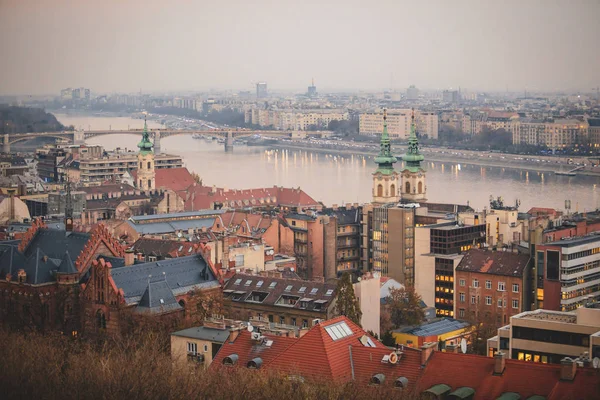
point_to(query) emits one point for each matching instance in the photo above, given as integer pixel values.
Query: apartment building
(556, 135)
(299, 120)
(544, 336)
(494, 283)
(105, 168)
(388, 241)
(399, 122)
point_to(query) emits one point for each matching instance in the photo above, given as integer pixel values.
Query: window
(488, 284)
(475, 282)
(515, 304)
(282, 320)
(501, 286)
(515, 288)
(338, 331)
(148, 164)
(149, 183)
(259, 283)
(237, 282)
(192, 348)
(314, 291)
(302, 289)
(462, 282)
(248, 282)
(472, 299)
(289, 288)
(293, 223)
(272, 285)
(239, 260)
(294, 321)
(499, 303)
(462, 297)
(305, 323)
(329, 292)
(461, 312)
(488, 300)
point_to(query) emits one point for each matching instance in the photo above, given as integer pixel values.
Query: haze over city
(130, 45)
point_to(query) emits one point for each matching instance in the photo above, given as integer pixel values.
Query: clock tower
(145, 173)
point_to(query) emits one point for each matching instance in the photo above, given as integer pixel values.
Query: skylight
(288, 288)
(329, 292)
(314, 290)
(302, 289)
(237, 282)
(272, 285)
(338, 331)
(259, 283)
(248, 282)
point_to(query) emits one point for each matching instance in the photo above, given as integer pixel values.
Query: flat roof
(548, 315)
(577, 241)
(176, 215)
(435, 328)
(204, 333)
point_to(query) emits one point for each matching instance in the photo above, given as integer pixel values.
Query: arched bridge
(79, 137)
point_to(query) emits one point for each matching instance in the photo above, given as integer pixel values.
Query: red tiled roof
(201, 197)
(176, 179)
(526, 378)
(317, 356)
(248, 349)
(494, 262)
(541, 210)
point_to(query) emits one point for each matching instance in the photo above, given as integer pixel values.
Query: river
(336, 179)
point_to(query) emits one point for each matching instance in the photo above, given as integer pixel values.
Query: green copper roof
(413, 157)
(145, 145)
(385, 159)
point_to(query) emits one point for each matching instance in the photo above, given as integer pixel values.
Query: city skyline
(345, 46)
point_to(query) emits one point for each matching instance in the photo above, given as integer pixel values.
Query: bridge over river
(79, 137)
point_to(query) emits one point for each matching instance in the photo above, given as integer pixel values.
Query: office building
(556, 135)
(568, 273)
(544, 336)
(439, 248)
(312, 90)
(261, 90)
(412, 93)
(450, 96)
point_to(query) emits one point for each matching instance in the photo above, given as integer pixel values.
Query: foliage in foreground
(55, 367)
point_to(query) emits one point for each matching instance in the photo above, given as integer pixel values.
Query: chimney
(427, 350)
(129, 257)
(451, 348)
(499, 363)
(568, 368)
(233, 334)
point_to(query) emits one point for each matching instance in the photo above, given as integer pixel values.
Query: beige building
(368, 293)
(198, 345)
(555, 135)
(299, 120)
(399, 122)
(549, 336)
(12, 209)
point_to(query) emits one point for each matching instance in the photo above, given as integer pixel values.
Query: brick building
(41, 275)
(496, 283)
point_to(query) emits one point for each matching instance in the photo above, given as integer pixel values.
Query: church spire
(413, 157)
(145, 145)
(385, 159)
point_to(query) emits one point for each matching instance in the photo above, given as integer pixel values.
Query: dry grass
(38, 366)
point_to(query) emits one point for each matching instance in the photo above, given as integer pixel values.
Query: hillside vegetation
(15, 119)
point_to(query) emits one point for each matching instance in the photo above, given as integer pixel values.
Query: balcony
(347, 245)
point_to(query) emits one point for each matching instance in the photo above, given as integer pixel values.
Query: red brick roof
(316, 355)
(201, 197)
(535, 211)
(494, 262)
(526, 378)
(176, 179)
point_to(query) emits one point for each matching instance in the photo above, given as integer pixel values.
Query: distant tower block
(229, 141)
(6, 144)
(78, 137)
(157, 149)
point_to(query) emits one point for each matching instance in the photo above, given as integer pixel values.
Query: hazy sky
(128, 45)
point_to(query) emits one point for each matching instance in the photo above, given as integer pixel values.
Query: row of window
(488, 301)
(488, 285)
(584, 253)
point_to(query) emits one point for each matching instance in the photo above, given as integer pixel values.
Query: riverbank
(498, 160)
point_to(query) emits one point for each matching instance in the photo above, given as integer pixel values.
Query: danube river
(336, 179)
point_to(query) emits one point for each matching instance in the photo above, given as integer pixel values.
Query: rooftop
(435, 328)
(575, 241)
(548, 315)
(494, 262)
(204, 333)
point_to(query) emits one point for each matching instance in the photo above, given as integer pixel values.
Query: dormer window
(289, 288)
(314, 291)
(272, 285)
(230, 360)
(237, 282)
(329, 292)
